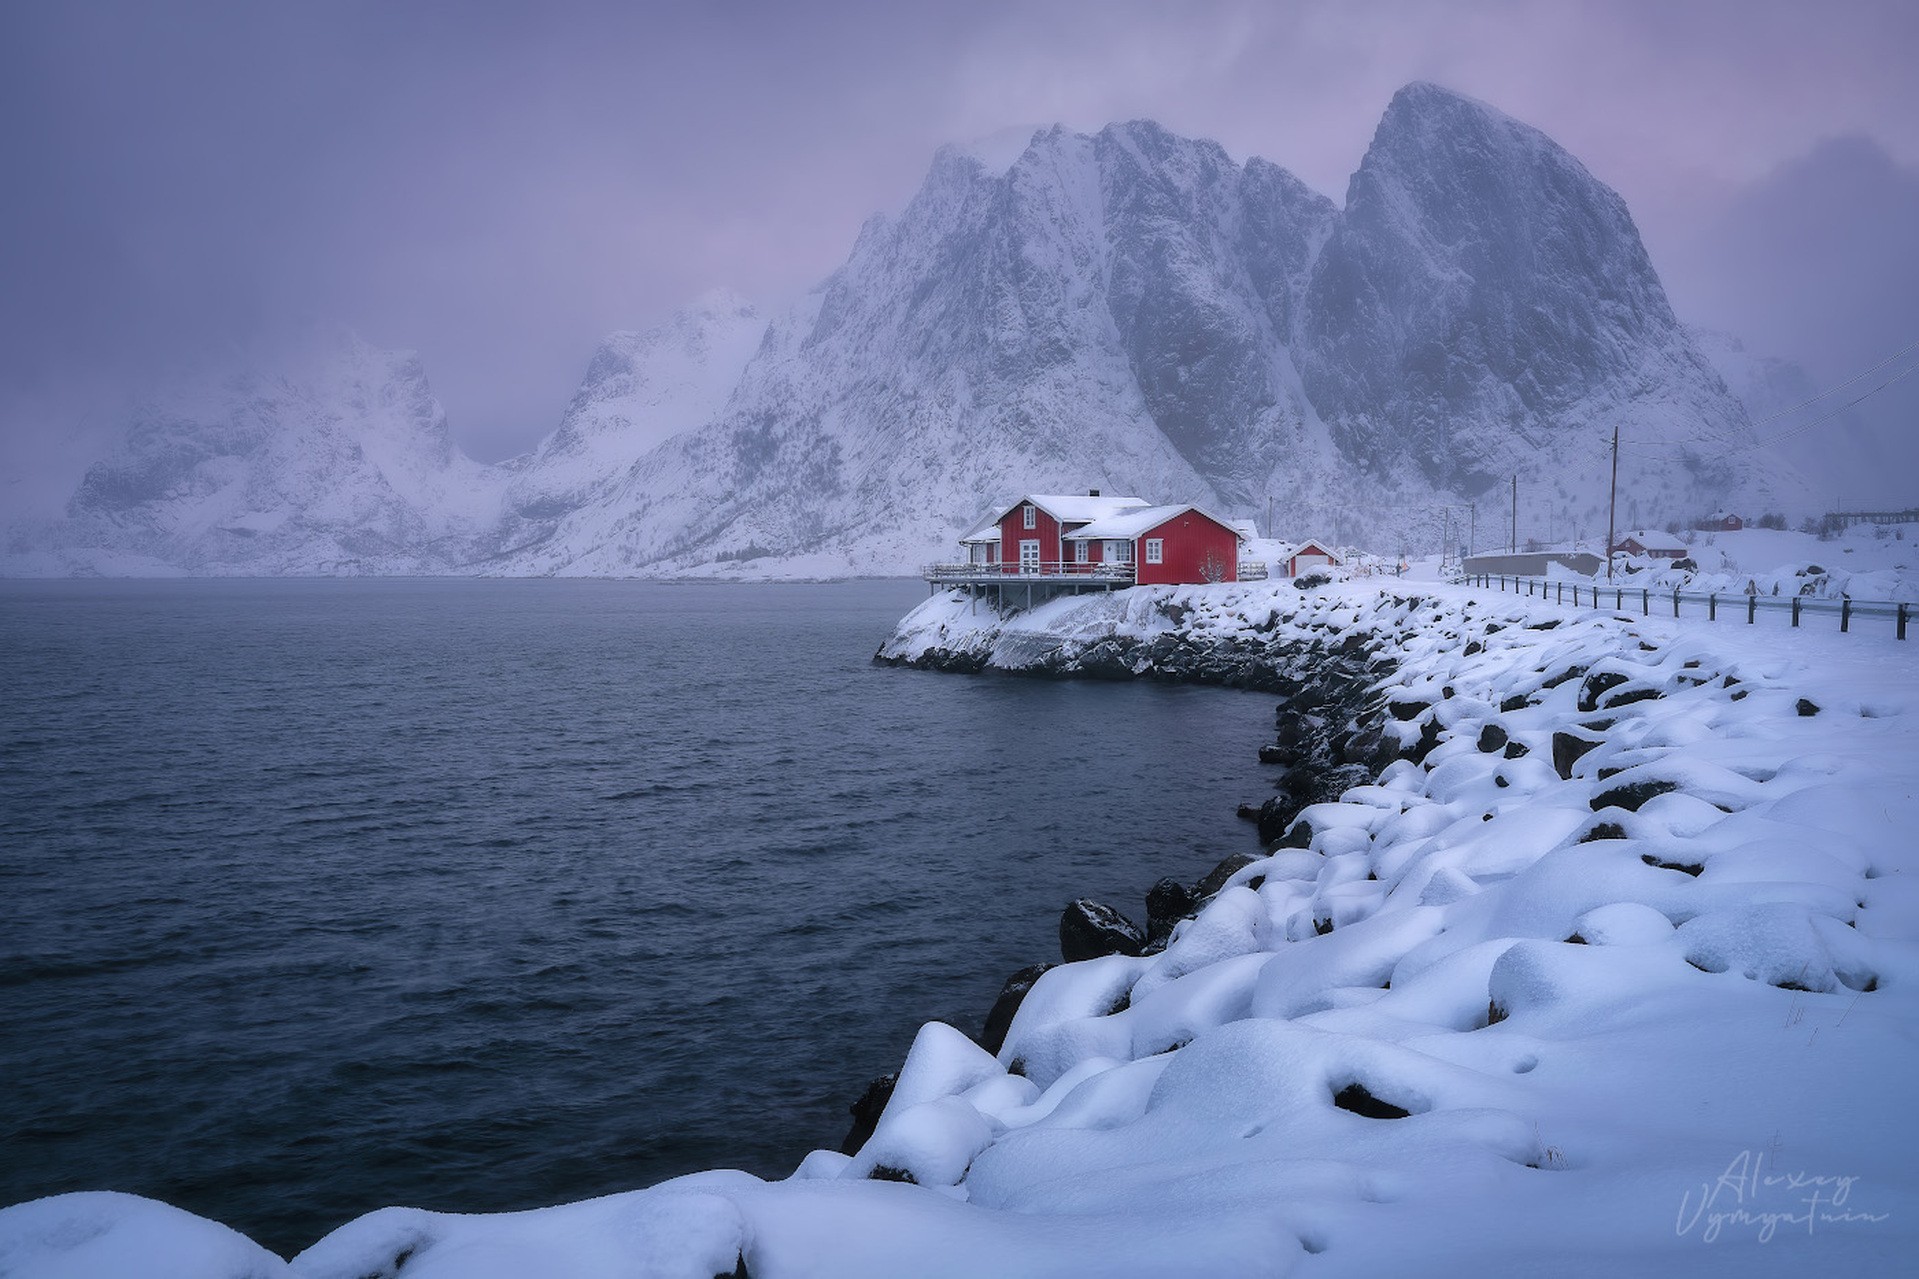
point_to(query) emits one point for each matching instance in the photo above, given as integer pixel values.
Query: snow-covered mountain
(1082, 318)
(336, 461)
(640, 390)
(1132, 310)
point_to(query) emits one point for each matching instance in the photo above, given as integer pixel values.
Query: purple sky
(499, 185)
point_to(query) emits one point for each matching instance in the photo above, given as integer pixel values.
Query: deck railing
(1642, 598)
(1031, 571)
(1058, 571)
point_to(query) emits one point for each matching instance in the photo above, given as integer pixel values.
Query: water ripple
(322, 896)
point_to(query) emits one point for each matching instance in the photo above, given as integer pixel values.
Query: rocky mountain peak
(1128, 309)
(1479, 285)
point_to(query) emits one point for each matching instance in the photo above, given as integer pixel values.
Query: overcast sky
(497, 185)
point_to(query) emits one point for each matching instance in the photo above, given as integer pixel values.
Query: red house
(1096, 541)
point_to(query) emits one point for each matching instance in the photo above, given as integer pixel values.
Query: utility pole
(1513, 548)
(1472, 526)
(1612, 505)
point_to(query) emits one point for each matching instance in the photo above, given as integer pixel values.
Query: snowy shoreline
(1607, 968)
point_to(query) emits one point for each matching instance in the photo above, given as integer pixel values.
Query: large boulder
(1167, 902)
(1090, 929)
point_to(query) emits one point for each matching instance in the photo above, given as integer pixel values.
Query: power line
(1818, 421)
(1774, 417)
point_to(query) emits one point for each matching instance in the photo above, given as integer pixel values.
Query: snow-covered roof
(1315, 545)
(1072, 508)
(1651, 541)
(985, 533)
(1130, 524)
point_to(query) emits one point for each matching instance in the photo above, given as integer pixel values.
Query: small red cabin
(1095, 542)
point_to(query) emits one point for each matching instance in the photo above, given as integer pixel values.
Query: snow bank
(1627, 986)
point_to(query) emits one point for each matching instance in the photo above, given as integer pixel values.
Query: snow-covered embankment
(1607, 968)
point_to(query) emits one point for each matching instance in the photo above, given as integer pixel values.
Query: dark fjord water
(317, 896)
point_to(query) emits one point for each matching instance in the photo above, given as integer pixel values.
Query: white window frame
(1155, 550)
(1119, 552)
(1029, 563)
(1029, 516)
(1079, 553)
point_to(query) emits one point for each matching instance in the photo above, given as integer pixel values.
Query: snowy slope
(1646, 1009)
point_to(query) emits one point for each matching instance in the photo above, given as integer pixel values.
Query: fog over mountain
(1124, 309)
(1819, 263)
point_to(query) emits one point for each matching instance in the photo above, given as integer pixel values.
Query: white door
(1029, 555)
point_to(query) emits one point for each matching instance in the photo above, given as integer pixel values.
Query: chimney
(1092, 492)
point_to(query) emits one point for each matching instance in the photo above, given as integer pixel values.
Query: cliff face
(1483, 297)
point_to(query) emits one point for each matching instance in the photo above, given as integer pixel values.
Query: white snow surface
(1665, 1041)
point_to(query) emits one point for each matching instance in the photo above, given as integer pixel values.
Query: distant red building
(1309, 555)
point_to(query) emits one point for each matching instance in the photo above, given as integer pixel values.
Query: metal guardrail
(1624, 598)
